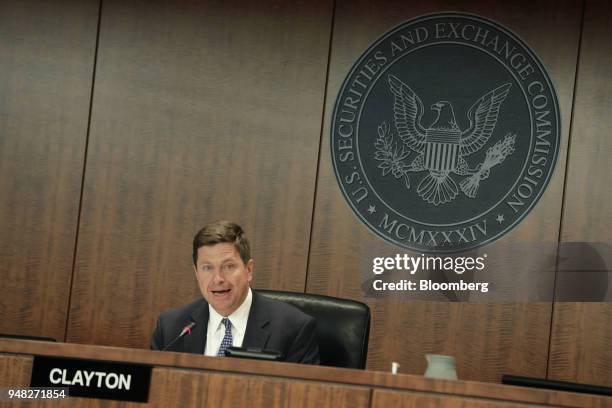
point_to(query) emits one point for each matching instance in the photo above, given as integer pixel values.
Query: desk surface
(195, 380)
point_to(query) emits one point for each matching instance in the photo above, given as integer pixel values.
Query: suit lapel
(195, 342)
(256, 335)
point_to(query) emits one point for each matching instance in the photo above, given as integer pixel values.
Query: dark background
(126, 125)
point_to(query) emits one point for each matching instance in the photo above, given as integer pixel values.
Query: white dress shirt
(216, 329)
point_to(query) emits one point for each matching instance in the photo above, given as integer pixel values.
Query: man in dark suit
(231, 314)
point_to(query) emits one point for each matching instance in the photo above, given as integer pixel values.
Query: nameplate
(92, 378)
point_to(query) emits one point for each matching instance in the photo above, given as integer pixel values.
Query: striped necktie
(227, 338)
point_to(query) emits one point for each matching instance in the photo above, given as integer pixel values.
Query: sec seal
(445, 133)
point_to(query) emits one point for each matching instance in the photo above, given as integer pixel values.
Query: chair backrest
(343, 326)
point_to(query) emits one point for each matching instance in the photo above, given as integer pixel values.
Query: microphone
(185, 332)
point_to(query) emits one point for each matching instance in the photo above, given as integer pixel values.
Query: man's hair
(222, 231)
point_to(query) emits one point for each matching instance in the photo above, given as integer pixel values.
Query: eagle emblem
(442, 148)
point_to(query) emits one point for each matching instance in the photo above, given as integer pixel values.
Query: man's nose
(218, 276)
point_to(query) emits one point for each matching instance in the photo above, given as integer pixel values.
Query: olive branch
(391, 155)
(495, 155)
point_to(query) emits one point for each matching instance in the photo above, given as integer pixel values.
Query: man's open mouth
(220, 292)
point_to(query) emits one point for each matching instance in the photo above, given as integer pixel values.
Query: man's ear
(195, 271)
(250, 266)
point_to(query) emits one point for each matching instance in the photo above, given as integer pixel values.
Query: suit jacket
(271, 325)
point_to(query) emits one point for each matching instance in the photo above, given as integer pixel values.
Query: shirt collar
(239, 318)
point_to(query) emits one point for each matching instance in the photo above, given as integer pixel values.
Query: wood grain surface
(391, 399)
(227, 390)
(188, 388)
(356, 380)
(486, 339)
(15, 371)
(46, 64)
(201, 111)
(581, 342)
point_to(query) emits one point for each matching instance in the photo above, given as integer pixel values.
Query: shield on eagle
(442, 149)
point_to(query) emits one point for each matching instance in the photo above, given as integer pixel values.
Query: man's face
(223, 277)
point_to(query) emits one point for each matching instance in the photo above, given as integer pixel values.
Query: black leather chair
(343, 326)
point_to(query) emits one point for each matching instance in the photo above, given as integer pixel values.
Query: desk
(189, 380)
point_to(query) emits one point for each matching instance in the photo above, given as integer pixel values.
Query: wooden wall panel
(201, 110)
(486, 339)
(581, 343)
(46, 64)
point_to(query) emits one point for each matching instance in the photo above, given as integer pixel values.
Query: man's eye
(229, 267)
(206, 268)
